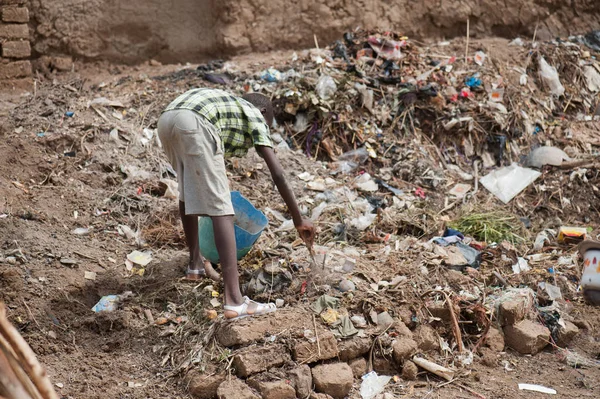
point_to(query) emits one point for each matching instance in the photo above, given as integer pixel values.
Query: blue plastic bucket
(249, 224)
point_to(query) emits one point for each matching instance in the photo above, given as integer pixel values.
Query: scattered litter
(140, 258)
(326, 87)
(90, 275)
(506, 183)
(82, 231)
(546, 156)
(572, 235)
(110, 303)
(68, 261)
(479, 58)
(521, 266)
(434, 368)
(105, 102)
(550, 77)
(373, 384)
(460, 190)
(537, 388)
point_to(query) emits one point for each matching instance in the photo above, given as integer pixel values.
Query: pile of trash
(371, 88)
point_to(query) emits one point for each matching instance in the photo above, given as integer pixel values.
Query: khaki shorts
(194, 148)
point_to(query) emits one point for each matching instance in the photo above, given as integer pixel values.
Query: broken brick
(247, 331)
(333, 379)
(309, 352)
(276, 390)
(353, 348)
(403, 349)
(495, 340)
(255, 360)
(301, 378)
(358, 366)
(426, 338)
(512, 312)
(204, 386)
(409, 371)
(527, 337)
(235, 389)
(566, 334)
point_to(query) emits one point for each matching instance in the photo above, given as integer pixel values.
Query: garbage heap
(395, 124)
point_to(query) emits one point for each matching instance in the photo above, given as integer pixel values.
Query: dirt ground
(136, 30)
(62, 173)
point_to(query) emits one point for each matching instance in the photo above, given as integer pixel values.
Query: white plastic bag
(508, 182)
(550, 77)
(373, 384)
(326, 87)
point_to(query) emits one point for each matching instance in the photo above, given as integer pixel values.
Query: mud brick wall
(14, 40)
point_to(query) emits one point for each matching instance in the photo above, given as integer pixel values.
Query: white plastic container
(590, 277)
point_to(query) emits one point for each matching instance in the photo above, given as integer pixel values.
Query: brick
(204, 386)
(255, 360)
(409, 371)
(301, 378)
(403, 349)
(14, 31)
(16, 49)
(495, 340)
(426, 338)
(440, 310)
(353, 348)
(308, 352)
(275, 390)
(384, 365)
(566, 334)
(512, 312)
(333, 379)
(15, 14)
(249, 330)
(17, 69)
(358, 366)
(527, 337)
(235, 389)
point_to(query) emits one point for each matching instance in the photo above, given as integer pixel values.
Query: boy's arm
(304, 226)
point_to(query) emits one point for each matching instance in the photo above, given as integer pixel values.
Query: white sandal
(241, 311)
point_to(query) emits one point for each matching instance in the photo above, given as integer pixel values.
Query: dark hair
(263, 103)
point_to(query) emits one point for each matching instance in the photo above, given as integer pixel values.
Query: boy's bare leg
(190, 228)
(225, 241)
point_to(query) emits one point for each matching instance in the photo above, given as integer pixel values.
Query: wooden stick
(434, 368)
(24, 354)
(317, 335)
(455, 326)
(12, 383)
(467, 46)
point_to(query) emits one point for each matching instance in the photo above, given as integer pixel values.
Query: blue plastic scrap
(473, 81)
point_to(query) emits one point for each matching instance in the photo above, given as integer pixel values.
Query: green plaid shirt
(240, 124)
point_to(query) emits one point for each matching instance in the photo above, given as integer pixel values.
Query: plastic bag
(350, 160)
(507, 182)
(546, 156)
(326, 87)
(373, 384)
(550, 77)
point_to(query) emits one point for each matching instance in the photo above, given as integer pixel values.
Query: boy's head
(263, 103)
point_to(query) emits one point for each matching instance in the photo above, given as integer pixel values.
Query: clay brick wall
(15, 47)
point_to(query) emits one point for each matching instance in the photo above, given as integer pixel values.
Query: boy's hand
(306, 231)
